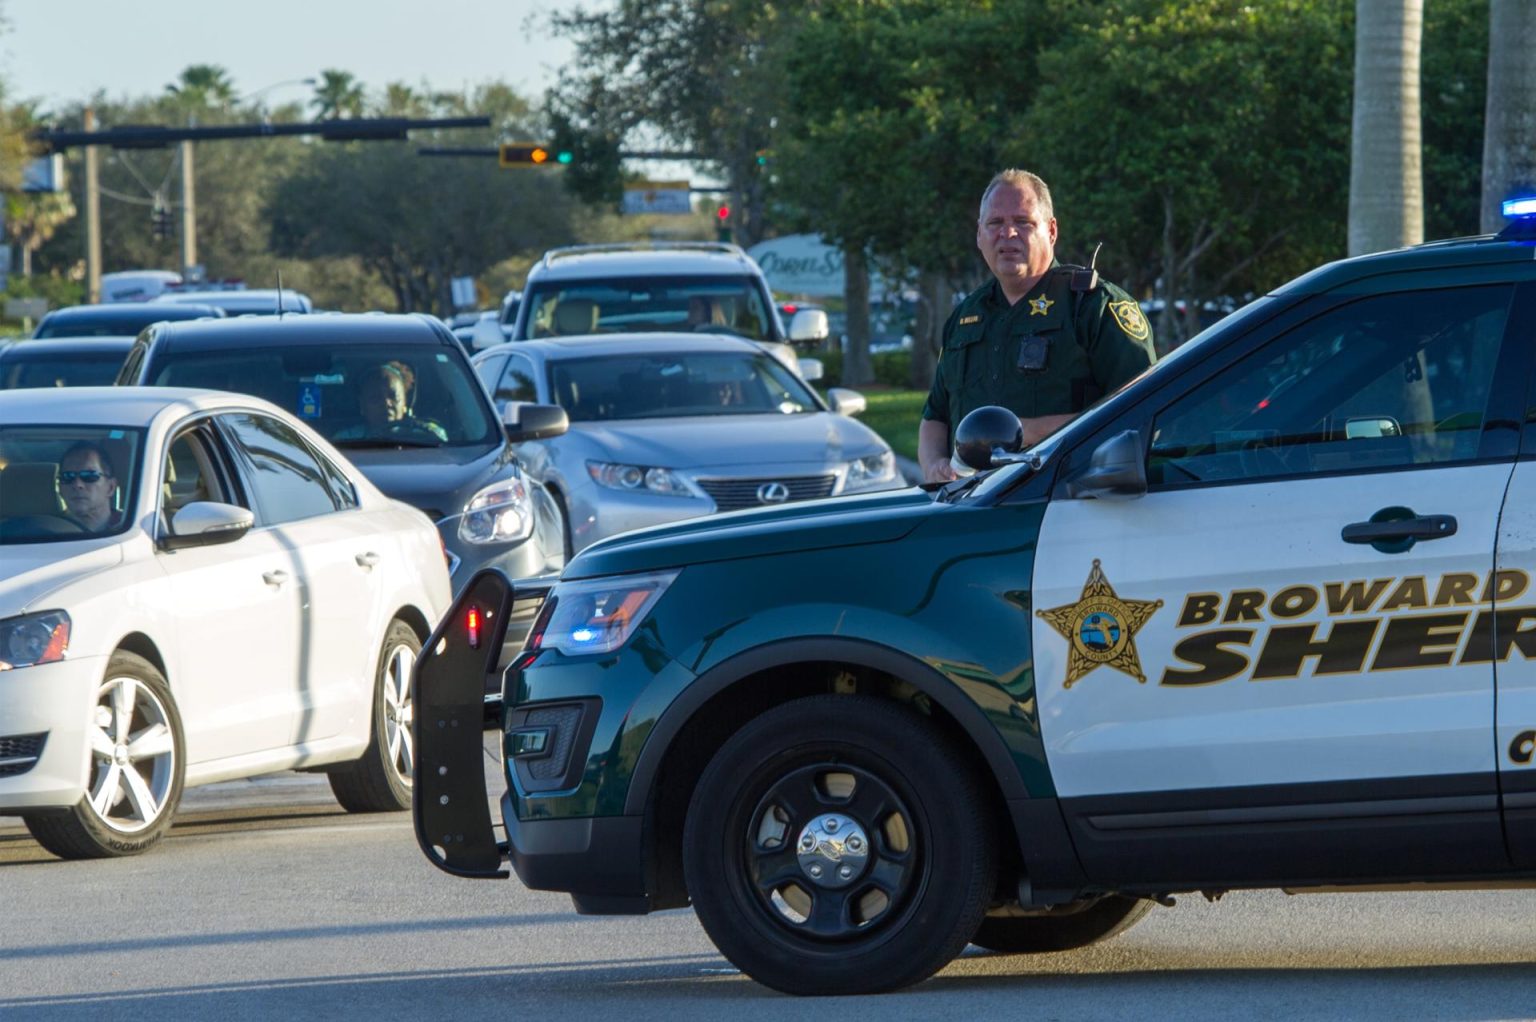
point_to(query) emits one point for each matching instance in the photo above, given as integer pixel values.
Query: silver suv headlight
(871, 471)
(33, 639)
(638, 479)
(500, 513)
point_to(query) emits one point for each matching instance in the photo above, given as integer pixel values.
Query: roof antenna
(279, 292)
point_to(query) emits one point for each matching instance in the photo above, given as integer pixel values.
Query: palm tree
(204, 85)
(1509, 159)
(338, 95)
(1386, 177)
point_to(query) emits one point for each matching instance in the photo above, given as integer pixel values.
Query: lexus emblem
(772, 493)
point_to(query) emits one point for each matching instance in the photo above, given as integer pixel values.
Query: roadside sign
(463, 292)
(26, 308)
(669, 197)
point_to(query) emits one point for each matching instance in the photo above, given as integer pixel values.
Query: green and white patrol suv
(1264, 618)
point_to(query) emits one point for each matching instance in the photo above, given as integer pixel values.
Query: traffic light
(531, 154)
(723, 223)
(160, 222)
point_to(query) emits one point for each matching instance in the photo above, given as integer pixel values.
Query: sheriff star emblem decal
(1040, 305)
(1100, 628)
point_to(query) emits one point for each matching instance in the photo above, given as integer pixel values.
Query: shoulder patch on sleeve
(1128, 314)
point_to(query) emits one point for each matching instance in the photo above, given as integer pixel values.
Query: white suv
(643, 287)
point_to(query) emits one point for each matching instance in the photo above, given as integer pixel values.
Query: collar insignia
(1040, 305)
(1100, 628)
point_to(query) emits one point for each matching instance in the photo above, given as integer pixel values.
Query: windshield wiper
(375, 442)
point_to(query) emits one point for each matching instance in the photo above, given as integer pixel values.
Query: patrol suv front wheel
(839, 845)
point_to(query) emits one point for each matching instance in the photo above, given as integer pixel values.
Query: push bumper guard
(450, 805)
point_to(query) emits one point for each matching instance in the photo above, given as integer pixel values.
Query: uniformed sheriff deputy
(1043, 340)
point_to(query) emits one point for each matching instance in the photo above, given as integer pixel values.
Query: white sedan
(195, 587)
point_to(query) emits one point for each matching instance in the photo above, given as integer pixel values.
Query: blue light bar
(1524, 206)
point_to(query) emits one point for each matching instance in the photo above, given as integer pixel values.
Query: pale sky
(65, 50)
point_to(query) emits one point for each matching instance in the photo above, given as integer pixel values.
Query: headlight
(870, 471)
(33, 639)
(638, 479)
(598, 615)
(498, 514)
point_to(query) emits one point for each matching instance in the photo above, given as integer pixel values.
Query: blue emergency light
(1520, 207)
(1521, 211)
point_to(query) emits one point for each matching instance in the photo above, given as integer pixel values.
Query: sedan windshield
(668, 386)
(356, 395)
(94, 369)
(725, 305)
(60, 483)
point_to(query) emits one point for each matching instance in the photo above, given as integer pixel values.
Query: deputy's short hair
(1013, 177)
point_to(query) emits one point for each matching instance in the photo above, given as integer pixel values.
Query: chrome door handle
(366, 560)
(275, 578)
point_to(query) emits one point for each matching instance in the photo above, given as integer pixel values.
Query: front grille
(19, 753)
(735, 494)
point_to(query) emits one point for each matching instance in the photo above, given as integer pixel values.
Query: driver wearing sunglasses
(88, 486)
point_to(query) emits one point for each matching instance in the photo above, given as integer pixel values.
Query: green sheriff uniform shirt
(1093, 340)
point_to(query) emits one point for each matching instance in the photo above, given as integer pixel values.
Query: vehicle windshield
(728, 305)
(355, 395)
(98, 369)
(62, 483)
(676, 385)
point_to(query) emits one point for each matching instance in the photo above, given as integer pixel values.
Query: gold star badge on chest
(1100, 628)
(1040, 305)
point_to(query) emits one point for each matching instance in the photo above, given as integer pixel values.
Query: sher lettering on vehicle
(1407, 640)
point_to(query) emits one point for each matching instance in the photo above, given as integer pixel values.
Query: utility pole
(188, 211)
(92, 216)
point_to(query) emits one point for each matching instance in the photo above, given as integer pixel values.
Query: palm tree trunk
(1386, 179)
(1509, 133)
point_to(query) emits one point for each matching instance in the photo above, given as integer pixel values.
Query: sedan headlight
(500, 513)
(598, 615)
(33, 639)
(871, 471)
(638, 479)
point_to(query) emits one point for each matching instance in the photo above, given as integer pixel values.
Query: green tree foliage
(338, 94)
(702, 76)
(1204, 142)
(415, 222)
(203, 85)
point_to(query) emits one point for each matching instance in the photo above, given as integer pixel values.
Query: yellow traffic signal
(529, 154)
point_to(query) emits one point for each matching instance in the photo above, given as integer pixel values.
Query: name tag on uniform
(968, 320)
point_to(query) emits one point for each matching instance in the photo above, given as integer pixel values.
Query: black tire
(881, 774)
(565, 522)
(1072, 927)
(133, 791)
(380, 782)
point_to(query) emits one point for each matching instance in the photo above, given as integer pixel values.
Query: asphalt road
(267, 901)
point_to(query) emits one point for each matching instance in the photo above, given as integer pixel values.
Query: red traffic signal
(724, 213)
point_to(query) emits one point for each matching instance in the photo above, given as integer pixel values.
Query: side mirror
(846, 402)
(1371, 428)
(526, 421)
(986, 432)
(206, 523)
(1116, 470)
(808, 326)
(811, 368)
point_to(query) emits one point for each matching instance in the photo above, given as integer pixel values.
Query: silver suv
(643, 287)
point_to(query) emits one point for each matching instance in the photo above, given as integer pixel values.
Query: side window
(1389, 381)
(286, 480)
(190, 473)
(129, 373)
(516, 383)
(342, 490)
(489, 370)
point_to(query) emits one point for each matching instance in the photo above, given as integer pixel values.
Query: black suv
(398, 397)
